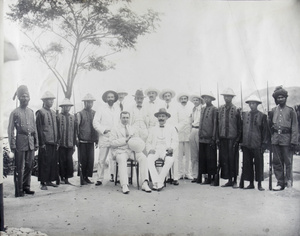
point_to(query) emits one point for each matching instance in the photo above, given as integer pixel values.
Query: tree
(84, 31)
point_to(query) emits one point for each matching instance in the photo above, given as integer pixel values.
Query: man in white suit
(120, 135)
(152, 106)
(162, 142)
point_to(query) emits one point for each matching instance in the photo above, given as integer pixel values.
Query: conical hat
(209, 94)
(88, 97)
(47, 95)
(253, 98)
(66, 102)
(136, 144)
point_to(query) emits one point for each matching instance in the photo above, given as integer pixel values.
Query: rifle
(82, 182)
(270, 150)
(217, 175)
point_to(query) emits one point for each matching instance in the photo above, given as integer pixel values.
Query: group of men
(186, 138)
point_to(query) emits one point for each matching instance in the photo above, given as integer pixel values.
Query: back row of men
(185, 137)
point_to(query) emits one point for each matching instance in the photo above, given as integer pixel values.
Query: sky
(199, 46)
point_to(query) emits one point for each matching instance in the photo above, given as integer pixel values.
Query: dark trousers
(282, 162)
(207, 159)
(22, 173)
(66, 168)
(48, 163)
(253, 157)
(86, 158)
(229, 159)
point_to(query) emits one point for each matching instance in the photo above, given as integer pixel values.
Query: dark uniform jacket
(208, 124)
(86, 131)
(255, 129)
(46, 124)
(66, 128)
(229, 122)
(284, 126)
(22, 119)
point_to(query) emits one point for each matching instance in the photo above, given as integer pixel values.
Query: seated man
(161, 143)
(119, 138)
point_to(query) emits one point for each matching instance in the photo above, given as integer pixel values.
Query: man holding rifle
(284, 129)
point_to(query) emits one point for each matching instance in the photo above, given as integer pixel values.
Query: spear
(270, 151)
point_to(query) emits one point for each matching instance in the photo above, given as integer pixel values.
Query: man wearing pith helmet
(87, 138)
(67, 138)
(255, 139)
(230, 130)
(106, 118)
(24, 142)
(184, 111)
(284, 129)
(46, 123)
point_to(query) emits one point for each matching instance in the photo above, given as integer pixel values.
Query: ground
(188, 209)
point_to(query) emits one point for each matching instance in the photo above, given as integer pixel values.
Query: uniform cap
(88, 97)
(48, 95)
(161, 95)
(162, 111)
(107, 92)
(228, 92)
(136, 144)
(210, 94)
(66, 102)
(139, 93)
(253, 98)
(152, 90)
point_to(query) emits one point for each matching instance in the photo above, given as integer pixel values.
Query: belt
(27, 134)
(195, 127)
(282, 131)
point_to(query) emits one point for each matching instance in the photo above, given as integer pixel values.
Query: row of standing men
(192, 149)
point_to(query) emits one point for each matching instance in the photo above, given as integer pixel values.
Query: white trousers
(104, 157)
(194, 146)
(122, 166)
(184, 159)
(159, 177)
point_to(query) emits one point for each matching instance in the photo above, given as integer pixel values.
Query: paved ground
(187, 209)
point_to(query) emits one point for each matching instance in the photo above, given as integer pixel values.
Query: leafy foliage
(87, 31)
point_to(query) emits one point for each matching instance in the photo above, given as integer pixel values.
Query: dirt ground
(188, 209)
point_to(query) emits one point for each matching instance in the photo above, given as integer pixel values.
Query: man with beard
(161, 143)
(152, 106)
(24, 143)
(46, 124)
(207, 140)
(87, 138)
(138, 117)
(106, 118)
(184, 111)
(254, 143)
(284, 127)
(194, 136)
(229, 120)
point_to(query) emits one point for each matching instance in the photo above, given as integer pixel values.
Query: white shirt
(184, 122)
(196, 114)
(152, 108)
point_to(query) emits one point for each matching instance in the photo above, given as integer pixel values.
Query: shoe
(98, 183)
(67, 181)
(278, 188)
(19, 195)
(260, 188)
(169, 181)
(145, 187)
(160, 186)
(44, 187)
(88, 181)
(181, 178)
(234, 185)
(28, 191)
(175, 182)
(154, 187)
(206, 182)
(188, 177)
(125, 189)
(112, 178)
(51, 184)
(228, 184)
(194, 180)
(250, 186)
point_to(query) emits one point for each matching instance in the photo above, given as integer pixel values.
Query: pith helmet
(228, 92)
(182, 95)
(253, 98)
(162, 111)
(139, 93)
(161, 95)
(88, 97)
(66, 102)
(152, 90)
(210, 94)
(107, 92)
(48, 95)
(136, 144)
